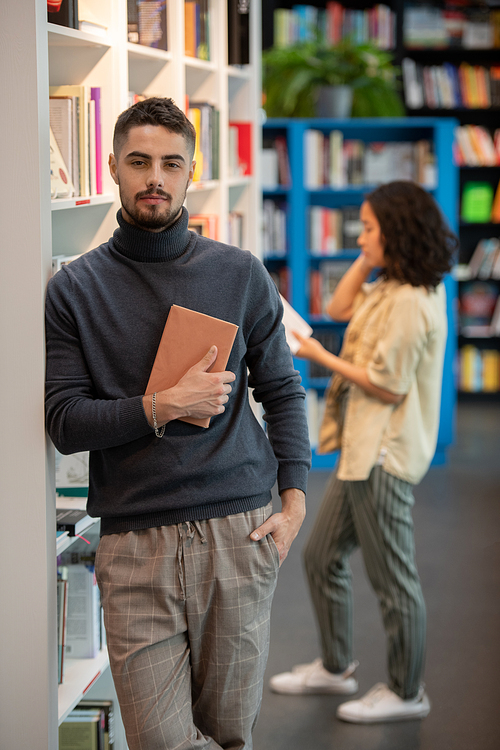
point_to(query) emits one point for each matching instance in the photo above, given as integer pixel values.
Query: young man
(190, 549)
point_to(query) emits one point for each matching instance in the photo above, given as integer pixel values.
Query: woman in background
(382, 412)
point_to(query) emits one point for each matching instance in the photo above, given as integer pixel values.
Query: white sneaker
(382, 704)
(314, 678)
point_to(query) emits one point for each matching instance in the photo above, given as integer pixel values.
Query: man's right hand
(198, 393)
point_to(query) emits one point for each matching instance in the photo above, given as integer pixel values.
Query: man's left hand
(284, 526)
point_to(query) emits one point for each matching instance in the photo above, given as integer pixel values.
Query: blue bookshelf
(299, 260)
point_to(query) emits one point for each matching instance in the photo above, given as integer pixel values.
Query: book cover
(294, 322)
(91, 154)
(95, 95)
(204, 224)
(63, 13)
(83, 631)
(106, 707)
(82, 94)
(238, 32)
(194, 116)
(244, 148)
(190, 28)
(187, 337)
(62, 614)
(61, 124)
(152, 23)
(80, 732)
(61, 185)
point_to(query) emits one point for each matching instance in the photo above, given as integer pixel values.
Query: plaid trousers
(187, 616)
(375, 515)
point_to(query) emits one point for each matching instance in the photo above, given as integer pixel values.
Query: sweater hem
(120, 524)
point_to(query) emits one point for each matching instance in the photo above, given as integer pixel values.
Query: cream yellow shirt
(398, 334)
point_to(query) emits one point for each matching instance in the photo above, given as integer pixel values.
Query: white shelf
(195, 62)
(140, 52)
(60, 36)
(60, 204)
(79, 676)
(202, 185)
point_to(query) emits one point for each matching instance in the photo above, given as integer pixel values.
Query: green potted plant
(295, 79)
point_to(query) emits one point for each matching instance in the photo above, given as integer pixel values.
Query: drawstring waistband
(193, 526)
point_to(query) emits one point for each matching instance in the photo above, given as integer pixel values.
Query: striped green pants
(375, 515)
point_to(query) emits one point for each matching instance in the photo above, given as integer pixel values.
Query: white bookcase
(34, 55)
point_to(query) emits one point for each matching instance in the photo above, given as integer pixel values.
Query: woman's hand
(310, 348)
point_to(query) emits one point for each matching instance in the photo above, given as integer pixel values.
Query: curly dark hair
(154, 111)
(419, 246)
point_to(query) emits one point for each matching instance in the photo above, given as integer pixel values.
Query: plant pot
(334, 101)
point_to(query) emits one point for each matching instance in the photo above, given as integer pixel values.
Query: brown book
(187, 337)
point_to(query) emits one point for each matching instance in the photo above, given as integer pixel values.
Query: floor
(457, 529)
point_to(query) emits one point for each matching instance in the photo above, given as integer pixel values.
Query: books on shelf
(238, 32)
(83, 630)
(484, 262)
(147, 23)
(274, 235)
(281, 278)
(89, 726)
(336, 162)
(479, 370)
(81, 731)
(275, 164)
(451, 25)
(333, 23)
(449, 86)
(332, 341)
(204, 224)
(205, 118)
(240, 157)
(476, 146)
(332, 230)
(75, 113)
(477, 202)
(477, 304)
(235, 227)
(323, 282)
(197, 29)
(63, 13)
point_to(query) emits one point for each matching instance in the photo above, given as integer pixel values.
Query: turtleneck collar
(152, 247)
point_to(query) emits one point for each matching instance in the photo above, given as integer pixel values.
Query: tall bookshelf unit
(35, 54)
(299, 261)
(477, 51)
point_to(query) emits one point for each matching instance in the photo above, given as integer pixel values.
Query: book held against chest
(187, 337)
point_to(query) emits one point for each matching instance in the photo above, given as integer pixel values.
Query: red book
(244, 146)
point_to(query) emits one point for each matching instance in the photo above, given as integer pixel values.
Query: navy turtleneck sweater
(105, 315)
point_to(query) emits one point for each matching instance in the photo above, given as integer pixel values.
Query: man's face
(153, 171)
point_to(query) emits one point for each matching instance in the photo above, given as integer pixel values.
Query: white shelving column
(34, 55)
(28, 681)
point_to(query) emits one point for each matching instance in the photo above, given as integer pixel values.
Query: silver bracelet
(158, 432)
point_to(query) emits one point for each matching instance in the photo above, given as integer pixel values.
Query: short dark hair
(154, 111)
(419, 246)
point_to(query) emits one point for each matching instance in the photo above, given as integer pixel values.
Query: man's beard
(156, 217)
